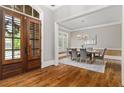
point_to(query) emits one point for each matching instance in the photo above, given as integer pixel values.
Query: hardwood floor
(67, 76)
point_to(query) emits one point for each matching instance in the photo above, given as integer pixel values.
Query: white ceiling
(53, 7)
(105, 16)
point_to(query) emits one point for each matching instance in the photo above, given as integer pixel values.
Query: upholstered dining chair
(68, 51)
(74, 54)
(83, 55)
(101, 55)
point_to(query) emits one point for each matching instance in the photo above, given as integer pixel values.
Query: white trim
(64, 26)
(122, 47)
(110, 48)
(93, 27)
(48, 63)
(65, 29)
(42, 38)
(56, 43)
(97, 26)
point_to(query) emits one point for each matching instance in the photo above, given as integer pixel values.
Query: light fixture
(53, 5)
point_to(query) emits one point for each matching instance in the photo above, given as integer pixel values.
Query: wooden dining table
(92, 52)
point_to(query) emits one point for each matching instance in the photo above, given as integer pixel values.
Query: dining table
(92, 52)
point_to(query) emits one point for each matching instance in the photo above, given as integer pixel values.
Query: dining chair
(83, 55)
(68, 51)
(74, 54)
(89, 54)
(101, 55)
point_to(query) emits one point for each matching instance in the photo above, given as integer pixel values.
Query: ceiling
(105, 16)
(53, 7)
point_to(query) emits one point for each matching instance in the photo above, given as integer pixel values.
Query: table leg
(92, 57)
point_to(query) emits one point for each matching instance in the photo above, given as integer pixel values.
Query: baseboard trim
(48, 63)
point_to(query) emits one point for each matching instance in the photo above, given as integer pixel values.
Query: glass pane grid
(8, 55)
(12, 38)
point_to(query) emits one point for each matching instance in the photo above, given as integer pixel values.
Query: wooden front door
(12, 43)
(20, 42)
(33, 44)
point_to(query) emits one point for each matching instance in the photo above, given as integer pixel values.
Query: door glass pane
(37, 31)
(19, 8)
(9, 6)
(31, 26)
(17, 54)
(16, 27)
(28, 10)
(8, 26)
(35, 13)
(32, 44)
(37, 44)
(8, 43)
(33, 53)
(17, 43)
(31, 35)
(8, 55)
(37, 35)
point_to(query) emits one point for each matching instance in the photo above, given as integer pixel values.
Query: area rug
(97, 67)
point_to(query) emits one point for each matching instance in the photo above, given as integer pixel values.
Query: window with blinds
(12, 37)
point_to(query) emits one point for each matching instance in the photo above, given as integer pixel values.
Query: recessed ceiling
(53, 7)
(105, 16)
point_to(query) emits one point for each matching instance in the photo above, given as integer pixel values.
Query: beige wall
(107, 37)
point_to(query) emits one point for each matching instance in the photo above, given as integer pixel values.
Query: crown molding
(98, 26)
(91, 27)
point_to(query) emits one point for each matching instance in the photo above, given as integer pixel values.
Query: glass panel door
(12, 38)
(34, 39)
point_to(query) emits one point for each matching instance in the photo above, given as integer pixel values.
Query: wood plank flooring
(67, 76)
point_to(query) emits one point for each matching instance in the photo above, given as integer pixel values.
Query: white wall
(48, 35)
(107, 37)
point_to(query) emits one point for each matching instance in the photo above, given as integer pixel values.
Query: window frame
(63, 49)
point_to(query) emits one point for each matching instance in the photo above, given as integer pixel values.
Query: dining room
(92, 40)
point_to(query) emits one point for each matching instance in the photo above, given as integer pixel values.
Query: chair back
(68, 51)
(83, 54)
(74, 54)
(103, 53)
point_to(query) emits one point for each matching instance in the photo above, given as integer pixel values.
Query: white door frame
(122, 62)
(56, 44)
